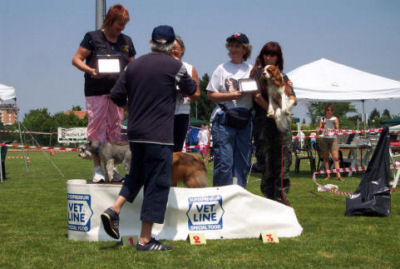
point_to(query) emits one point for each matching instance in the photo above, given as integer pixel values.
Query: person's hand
(236, 95)
(94, 74)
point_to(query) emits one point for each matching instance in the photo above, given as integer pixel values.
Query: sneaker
(98, 175)
(110, 221)
(153, 245)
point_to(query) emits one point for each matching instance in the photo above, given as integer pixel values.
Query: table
(352, 157)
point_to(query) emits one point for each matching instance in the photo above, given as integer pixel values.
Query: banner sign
(205, 213)
(79, 212)
(72, 135)
(218, 212)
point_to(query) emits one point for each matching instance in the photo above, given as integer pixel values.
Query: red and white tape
(40, 148)
(27, 132)
(337, 132)
(343, 170)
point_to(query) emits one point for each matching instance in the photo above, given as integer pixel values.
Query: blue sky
(39, 38)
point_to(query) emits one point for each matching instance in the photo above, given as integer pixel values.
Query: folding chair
(302, 154)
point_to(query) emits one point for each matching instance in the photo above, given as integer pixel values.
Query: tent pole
(20, 138)
(364, 116)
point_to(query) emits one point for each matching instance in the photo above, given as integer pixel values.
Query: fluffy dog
(189, 169)
(110, 154)
(186, 168)
(279, 102)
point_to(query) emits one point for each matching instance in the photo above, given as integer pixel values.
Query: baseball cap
(163, 34)
(239, 37)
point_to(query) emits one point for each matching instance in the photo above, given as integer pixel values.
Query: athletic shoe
(153, 245)
(98, 175)
(110, 221)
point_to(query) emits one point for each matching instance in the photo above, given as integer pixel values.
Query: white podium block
(217, 212)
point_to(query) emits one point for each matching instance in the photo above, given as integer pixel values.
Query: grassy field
(33, 228)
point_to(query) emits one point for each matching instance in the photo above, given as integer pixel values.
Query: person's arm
(195, 77)
(259, 99)
(186, 84)
(224, 96)
(337, 123)
(320, 124)
(78, 61)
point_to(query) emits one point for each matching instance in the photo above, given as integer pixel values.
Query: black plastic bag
(372, 197)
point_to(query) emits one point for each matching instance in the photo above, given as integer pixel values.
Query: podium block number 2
(197, 239)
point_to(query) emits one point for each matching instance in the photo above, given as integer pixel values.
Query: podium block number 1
(129, 240)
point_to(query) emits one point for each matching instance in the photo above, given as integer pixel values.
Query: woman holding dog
(329, 143)
(104, 117)
(231, 139)
(273, 148)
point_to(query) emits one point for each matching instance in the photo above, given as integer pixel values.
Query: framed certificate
(247, 85)
(108, 64)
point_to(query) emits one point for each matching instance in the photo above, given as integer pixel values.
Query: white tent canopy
(327, 80)
(6, 93)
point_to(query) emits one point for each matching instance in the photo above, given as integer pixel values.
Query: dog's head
(87, 150)
(272, 73)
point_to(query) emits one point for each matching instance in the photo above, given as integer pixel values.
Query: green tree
(386, 115)
(374, 114)
(374, 118)
(38, 120)
(203, 106)
(71, 120)
(76, 108)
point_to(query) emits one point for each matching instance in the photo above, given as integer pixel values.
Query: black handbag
(236, 118)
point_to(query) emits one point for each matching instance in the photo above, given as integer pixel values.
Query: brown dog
(189, 169)
(280, 101)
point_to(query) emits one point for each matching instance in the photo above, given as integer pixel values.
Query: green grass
(33, 228)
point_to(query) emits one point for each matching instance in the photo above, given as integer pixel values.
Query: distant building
(79, 114)
(8, 114)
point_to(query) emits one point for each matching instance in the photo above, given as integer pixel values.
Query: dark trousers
(271, 146)
(181, 125)
(151, 169)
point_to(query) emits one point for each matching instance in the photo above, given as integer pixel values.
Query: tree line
(41, 120)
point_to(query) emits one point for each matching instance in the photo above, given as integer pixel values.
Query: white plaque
(248, 85)
(108, 66)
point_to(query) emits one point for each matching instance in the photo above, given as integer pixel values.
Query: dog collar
(98, 148)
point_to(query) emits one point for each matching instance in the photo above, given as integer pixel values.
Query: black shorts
(151, 168)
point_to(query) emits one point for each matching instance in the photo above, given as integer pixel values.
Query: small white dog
(280, 101)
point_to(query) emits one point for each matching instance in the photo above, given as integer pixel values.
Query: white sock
(97, 169)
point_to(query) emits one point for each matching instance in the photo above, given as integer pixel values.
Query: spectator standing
(329, 143)
(182, 107)
(104, 117)
(231, 144)
(273, 148)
